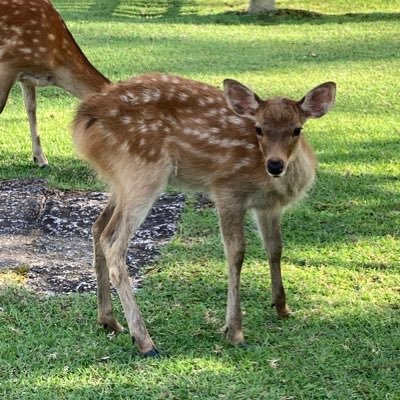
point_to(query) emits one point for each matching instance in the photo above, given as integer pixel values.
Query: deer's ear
(241, 99)
(318, 101)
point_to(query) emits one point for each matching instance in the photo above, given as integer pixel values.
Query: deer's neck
(300, 174)
(78, 75)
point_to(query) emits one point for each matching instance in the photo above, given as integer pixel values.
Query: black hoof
(111, 328)
(153, 353)
(35, 160)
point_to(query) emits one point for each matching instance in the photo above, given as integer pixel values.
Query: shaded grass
(341, 259)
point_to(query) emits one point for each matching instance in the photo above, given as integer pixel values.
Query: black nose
(275, 167)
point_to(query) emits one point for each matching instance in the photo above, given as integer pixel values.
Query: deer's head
(278, 121)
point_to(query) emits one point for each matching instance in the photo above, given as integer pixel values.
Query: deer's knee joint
(115, 275)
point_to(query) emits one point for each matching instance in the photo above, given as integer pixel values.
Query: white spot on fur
(126, 119)
(233, 119)
(129, 97)
(241, 164)
(155, 125)
(147, 96)
(112, 140)
(124, 147)
(204, 136)
(156, 94)
(183, 96)
(211, 113)
(16, 29)
(142, 128)
(199, 121)
(164, 78)
(210, 100)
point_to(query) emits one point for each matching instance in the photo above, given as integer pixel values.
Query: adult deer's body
(37, 49)
(154, 129)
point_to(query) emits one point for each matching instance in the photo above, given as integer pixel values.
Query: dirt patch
(48, 232)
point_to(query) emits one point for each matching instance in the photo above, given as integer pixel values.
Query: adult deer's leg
(269, 228)
(231, 223)
(7, 79)
(104, 303)
(29, 93)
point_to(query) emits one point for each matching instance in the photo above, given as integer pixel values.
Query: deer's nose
(275, 166)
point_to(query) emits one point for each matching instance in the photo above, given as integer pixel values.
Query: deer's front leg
(231, 223)
(269, 228)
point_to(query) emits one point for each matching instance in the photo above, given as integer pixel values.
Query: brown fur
(154, 129)
(37, 49)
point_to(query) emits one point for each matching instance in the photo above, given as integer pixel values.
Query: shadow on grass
(166, 12)
(106, 8)
(343, 207)
(261, 55)
(62, 173)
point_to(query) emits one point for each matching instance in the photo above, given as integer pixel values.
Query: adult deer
(37, 49)
(245, 152)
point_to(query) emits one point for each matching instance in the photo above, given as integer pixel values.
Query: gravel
(48, 232)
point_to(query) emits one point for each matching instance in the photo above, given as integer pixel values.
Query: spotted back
(36, 44)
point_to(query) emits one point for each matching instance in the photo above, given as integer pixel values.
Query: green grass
(341, 258)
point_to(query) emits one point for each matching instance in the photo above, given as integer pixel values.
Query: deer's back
(187, 125)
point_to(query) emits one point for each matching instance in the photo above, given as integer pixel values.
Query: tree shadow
(274, 54)
(104, 7)
(172, 12)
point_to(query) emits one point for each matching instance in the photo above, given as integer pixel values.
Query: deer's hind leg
(7, 79)
(133, 201)
(104, 303)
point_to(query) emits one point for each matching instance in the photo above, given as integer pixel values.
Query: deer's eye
(258, 131)
(297, 131)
